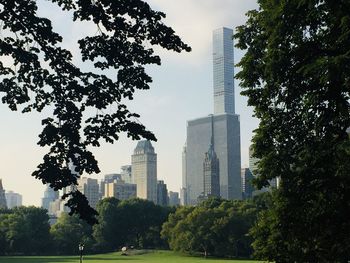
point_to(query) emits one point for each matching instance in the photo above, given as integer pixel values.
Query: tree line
(216, 227)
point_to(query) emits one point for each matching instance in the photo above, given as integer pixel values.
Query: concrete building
(223, 128)
(50, 195)
(108, 178)
(2, 196)
(144, 170)
(174, 199)
(90, 188)
(211, 173)
(120, 190)
(126, 175)
(162, 193)
(13, 199)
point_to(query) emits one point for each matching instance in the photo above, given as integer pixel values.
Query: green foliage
(215, 227)
(133, 222)
(68, 232)
(296, 76)
(43, 76)
(25, 230)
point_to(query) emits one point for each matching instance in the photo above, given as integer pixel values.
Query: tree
(25, 230)
(295, 73)
(135, 222)
(44, 76)
(216, 227)
(68, 232)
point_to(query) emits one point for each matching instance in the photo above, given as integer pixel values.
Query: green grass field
(152, 257)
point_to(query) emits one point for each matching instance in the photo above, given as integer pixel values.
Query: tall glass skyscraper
(223, 127)
(223, 71)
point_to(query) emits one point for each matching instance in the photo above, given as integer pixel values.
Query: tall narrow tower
(2, 196)
(144, 171)
(223, 72)
(211, 172)
(225, 123)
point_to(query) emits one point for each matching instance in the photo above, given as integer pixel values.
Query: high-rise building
(90, 188)
(13, 199)
(183, 190)
(224, 124)
(223, 71)
(247, 186)
(108, 178)
(162, 193)
(144, 170)
(174, 199)
(120, 190)
(211, 173)
(2, 196)
(50, 195)
(126, 173)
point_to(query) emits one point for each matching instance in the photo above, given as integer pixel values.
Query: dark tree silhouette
(46, 76)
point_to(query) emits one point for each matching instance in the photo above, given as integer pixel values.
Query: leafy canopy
(41, 75)
(296, 74)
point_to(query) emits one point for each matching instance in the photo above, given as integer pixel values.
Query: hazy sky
(181, 90)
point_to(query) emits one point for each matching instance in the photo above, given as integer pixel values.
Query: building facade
(120, 190)
(144, 170)
(247, 185)
(223, 71)
(211, 173)
(2, 196)
(174, 199)
(50, 195)
(162, 193)
(223, 128)
(90, 188)
(125, 172)
(13, 199)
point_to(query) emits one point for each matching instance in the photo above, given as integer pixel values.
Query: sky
(181, 90)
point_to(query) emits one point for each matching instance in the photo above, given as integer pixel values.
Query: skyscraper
(211, 174)
(223, 128)
(2, 196)
(144, 170)
(162, 193)
(90, 188)
(50, 195)
(13, 199)
(223, 71)
(247, 185)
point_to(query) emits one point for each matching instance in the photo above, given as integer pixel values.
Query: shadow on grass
(24, 259)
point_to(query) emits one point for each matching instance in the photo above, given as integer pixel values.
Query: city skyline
(175, 85)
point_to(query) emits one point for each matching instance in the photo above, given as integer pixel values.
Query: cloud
(195, 20)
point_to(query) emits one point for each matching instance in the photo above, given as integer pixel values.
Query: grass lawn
(152, 257)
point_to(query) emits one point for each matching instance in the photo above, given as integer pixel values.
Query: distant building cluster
(136, 180)
(211, 157)
(9, 199)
